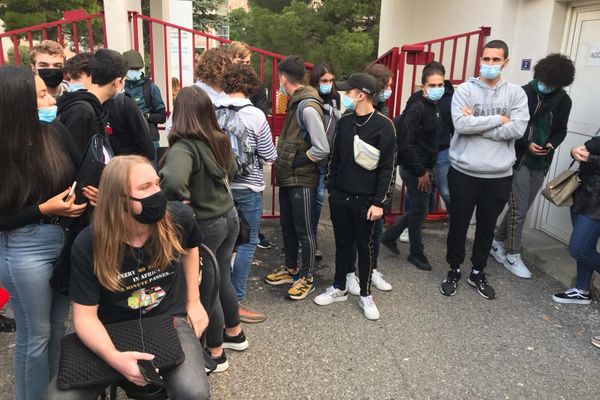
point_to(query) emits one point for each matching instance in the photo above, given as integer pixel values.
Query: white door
(583, 48)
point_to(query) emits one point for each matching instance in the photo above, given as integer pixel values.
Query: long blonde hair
(111, 230)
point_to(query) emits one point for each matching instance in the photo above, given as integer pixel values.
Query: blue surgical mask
(348, 103)
(383, 96)
(73, 87)
(325, 88)
(435, 93)
(544, 89)
(490, 71)
(134, 74)
(282, 89)
(47, 114)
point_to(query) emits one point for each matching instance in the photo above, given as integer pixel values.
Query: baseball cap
(361, 81)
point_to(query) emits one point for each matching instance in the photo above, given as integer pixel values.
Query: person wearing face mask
(79, 69)
(549, 107)
(48, 61)
(417, 129)
(489, 114)
(138, 259)
(146, 95)
(360, 181)
(297, 177)
(81, 111)
(37, 167)
(384, 84)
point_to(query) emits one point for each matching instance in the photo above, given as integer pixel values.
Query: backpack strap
(232, 107)
(147, 90)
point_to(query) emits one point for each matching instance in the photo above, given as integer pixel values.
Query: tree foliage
(205, 16)
(18, 14)
(343, 33)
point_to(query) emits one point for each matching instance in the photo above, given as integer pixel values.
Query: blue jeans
(441, 171)
(582, 247)
(319, 197)
(250, 204)
(27, 255)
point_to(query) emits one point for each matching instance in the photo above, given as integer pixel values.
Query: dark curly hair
(240, 78)
(79, 64)
(211, 65)
(555, 70)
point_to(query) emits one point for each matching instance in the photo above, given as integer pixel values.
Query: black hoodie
(82, 114)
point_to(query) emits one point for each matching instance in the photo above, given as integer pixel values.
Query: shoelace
(483, 279)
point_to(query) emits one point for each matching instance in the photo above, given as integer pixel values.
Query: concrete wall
(118, 31)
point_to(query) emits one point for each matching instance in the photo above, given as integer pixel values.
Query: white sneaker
(352, 285)
(498, 252)
(331, 295)
(515, 264)
(404, 236)
(369, 307)
(378, 281)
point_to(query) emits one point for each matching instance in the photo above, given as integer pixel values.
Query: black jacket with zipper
(586, 199)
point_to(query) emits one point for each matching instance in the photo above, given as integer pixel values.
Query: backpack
(331, 116)
(231, 123)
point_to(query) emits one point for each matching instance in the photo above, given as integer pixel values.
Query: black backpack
(331, 116)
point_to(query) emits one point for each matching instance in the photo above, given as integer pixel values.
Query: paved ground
(425, 346)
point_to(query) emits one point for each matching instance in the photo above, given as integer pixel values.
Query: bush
(23, 56)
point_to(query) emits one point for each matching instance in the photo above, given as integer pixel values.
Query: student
(417, 129)
(297, 177)
(48, 61)
(198, 169)
(489, 114)
(549, 107)
(384, 83)
(81, 111)
(79, 70)
(240, 82)
(36, 171)
(146, 95)
(135, 229)
(359, 185)
(240, 53)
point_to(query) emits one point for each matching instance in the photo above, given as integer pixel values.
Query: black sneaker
(222, 363)
(572, 296)
(263, 242)
(391, 246)
(7, 324)
(237, 343)
(479, 282)
(450, 284)
(419, 261)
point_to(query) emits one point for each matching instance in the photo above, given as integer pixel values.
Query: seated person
(137, 244)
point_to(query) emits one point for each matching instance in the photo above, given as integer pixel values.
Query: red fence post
(136, 44)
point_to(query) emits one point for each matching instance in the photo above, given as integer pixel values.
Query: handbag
(79, 367)
(559, 191)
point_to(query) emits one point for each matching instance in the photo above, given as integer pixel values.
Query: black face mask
(154, 208)
(52, 77)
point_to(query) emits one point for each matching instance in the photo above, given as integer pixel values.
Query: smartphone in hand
(149, 372)
(73, 186)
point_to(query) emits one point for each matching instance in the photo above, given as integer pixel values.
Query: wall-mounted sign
(526, 64)
(594, 55)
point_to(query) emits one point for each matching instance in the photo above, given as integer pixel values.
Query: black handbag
(79, 367)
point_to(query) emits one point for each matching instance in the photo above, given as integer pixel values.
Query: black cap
(360, 81)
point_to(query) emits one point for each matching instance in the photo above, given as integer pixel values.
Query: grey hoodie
(482, 146)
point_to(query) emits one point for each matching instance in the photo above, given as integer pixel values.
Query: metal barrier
(67, 30)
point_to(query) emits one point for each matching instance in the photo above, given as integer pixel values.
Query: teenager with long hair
(36, 171)
(198, 169)
(138, 257)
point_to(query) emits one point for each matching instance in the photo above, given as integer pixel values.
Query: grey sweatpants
(525, 187)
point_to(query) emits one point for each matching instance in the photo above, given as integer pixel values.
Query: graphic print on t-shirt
(145, 297)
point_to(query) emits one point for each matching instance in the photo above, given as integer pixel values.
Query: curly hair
(238, 50)
(46, 47)
(79, 64)
(240, 78)
(381, 73)
(555, 70)
(211, 66)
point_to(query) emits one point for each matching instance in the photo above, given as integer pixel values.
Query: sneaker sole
(256, 320)
(474, 286)
(571, 301)
(450, 294)
(263, 247)
(302, 296)
(515, 273)
(334, 300)
(281, 282)
(596, 342)
(236, 346)
(222, 367)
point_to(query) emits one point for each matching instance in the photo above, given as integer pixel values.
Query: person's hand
(580, 153)
(62, 207)
(423, 182)
(91, 193)
(197, 317)
(505, 119)
(467, 112)
(125, 362)
(374, 213)
(537, 150)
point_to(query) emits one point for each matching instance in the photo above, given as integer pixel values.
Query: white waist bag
(365, 155)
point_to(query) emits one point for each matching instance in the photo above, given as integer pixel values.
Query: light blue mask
(348, 103)
(383, 96)
(282, 89)
(544, 89)
(325, 88)
(134, 74)
(73, 87)
(47, 114)
(435, 93)
(490, 71)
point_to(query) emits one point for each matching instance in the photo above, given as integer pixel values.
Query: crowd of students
(126, 244)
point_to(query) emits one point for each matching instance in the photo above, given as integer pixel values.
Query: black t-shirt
(155, 291)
